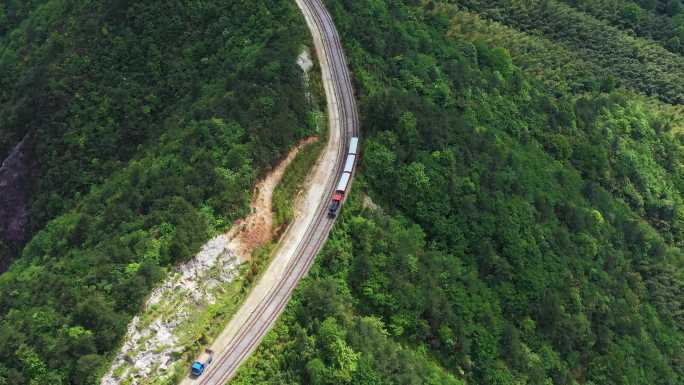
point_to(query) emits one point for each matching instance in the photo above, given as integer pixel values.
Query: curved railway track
(331, 56)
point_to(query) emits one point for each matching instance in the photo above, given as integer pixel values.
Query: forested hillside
(13, 12)
(635, 62)
(145, 125)
(661, 21)
(514, 223)
(518, 216)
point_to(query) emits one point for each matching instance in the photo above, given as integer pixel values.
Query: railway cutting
(307, 234)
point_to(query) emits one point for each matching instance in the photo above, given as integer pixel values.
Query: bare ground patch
(257, 229)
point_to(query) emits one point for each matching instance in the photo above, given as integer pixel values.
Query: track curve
(343, 115)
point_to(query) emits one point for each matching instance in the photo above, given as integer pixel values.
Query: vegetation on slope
(560, 68)
(637, 63)
(663, 23)
(526, 238)
(150, 120)
(93, 82)
(13, 12)
(284, 195)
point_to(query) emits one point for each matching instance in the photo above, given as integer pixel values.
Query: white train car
(343, 183)
(349, 165)
(354, 146)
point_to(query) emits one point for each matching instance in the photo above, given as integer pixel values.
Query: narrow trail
(308, 232)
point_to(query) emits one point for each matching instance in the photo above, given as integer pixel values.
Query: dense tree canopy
(150, 121)
(525, 221)
(639, 63)
(525, 235)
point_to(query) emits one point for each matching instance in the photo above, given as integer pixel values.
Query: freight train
(343, 183)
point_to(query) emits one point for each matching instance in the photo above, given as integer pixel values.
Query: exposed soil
(257, 229)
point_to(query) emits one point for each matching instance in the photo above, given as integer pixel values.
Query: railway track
(333, 62)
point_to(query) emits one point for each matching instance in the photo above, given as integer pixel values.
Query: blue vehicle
(199, 366)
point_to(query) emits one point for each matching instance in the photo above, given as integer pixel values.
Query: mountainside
(518, 216)
(516, 223)
(94, 81)
(144, 125)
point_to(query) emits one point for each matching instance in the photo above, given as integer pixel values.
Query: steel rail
(266, 313)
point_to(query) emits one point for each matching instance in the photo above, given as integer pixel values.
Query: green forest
(518, 216)
(149, 122)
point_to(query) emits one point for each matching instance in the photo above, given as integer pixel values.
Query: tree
(674, 43)
(674, 7)
(80, 340)
(318, 373)
(513, 348)
(3, 20)
(36, 369)
(88, 368)
(341, 358)
(632, 13)
(648, 4)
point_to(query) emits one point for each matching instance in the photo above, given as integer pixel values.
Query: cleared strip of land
(307, 234)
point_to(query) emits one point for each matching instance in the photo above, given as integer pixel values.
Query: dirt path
(257, 229)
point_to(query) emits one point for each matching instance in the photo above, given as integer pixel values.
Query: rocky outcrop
(15, 174)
